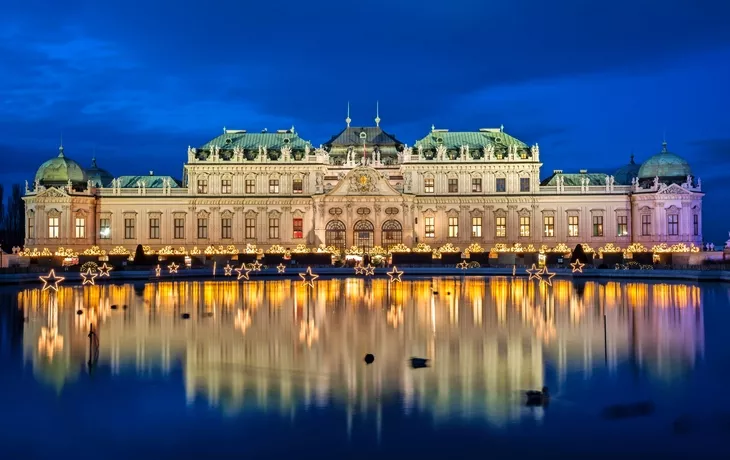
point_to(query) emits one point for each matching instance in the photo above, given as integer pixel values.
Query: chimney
(584, 171)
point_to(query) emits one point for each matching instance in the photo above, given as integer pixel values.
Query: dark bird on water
(369, 358)
(419, 363)
(538, 398)
(185, 316)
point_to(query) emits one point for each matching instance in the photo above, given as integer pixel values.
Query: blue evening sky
(139, 81)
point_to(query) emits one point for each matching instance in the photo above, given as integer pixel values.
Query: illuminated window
(31, 227)
(500, 227)
(273, 228)
(226, 228)
(453, 227)
(80, 227)
(500, 184)
(250, 228)
(622, 225)
(297, 186)
(696, 223)
(673, 224)
(548, 223)
(179, 226)
(524, 184)
(250, 186)
(203, 228)
(428, 185)
(298, 227)
(524, 225)
(572, 225)
(105, 228)
(645, 225)
(476, 185)
(453, 185)
(430, 229)
(154, 228)
(226, 186)
(202, 186)
(598, 226)
(476, 227)
(274, 186)
(129, 228)
(53, 228)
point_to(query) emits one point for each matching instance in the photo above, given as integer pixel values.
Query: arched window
(392, 233)
(335, 235)
(363, 233)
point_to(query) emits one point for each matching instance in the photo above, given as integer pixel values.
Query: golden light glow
(369, 270)
(104, 270)
(276, 249)
(243, 272)
(227, 270)
(119, 251)
(173, 267)
(158, 270)
(545, 276)
(51, 281)
(308, 332)
(359, 269)
(400, 248)
(281, 268)
(534, 273)
(308, 278)
(395, 274)
(88, 277)
(463, 265)
(609, 247)
(256, 266)
(577, 266)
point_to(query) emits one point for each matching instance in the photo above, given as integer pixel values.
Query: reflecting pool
(269, 368)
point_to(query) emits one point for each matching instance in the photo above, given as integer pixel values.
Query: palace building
(364, 188)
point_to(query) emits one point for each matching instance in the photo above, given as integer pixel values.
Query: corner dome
(626, 173)
(59, 170)
(665, 164)
(99, 177)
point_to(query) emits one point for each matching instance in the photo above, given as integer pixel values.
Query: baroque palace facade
(364, 188)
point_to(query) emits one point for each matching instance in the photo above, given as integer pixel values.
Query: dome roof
(99, 177)
(626, 173)
(665, 164)
(59, 170)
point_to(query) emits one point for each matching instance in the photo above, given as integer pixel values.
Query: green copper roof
(474, 139)
(372, 135)
(252, 141)
(59, 170)
(149, 181)
(665, 164)
(98, 176)
(626, 173)
(574, 179)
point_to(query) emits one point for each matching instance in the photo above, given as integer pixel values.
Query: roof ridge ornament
(348, 120)
(377, 114)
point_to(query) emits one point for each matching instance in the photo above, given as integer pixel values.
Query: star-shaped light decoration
(463, 265)
(228, 270)
(51, 281)
(256, 266)
(173, 267)
(577, 266)
(104, 270)
(88, 276)
(243, 272)
(369, 270)
(359, 269)
(281, 268)
(158, 270)
(308, 278)
(395, 274)
(545, 276)
(534, 273)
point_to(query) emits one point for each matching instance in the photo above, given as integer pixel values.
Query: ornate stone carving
(440, 152)
(363, 181)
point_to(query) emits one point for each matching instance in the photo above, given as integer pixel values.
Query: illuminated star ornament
(577, 266)
(359, 269)
(281, 268)
(51, 281)
(88, 277)
(369, 270)
(158, 270)
(534, 273)
(228, 270)
(546, 277)
(243, 272)
(173, 267)
(104, 270)
(463, 265)
(308, 278)
(256, 266)
(395, 274)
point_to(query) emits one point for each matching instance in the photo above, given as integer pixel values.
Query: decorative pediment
(250, 214)
(452, 212)
(524, 212)
(364, 180)
(500, 212)
(298, 213)
(274, 214)
(202, 214)
(674, 189)
(673, 208)
(227, 214)
(53, 212)
(548, 212)
(52, 192)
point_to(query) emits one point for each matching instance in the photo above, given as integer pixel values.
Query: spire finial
(632, 158)
(377, 113)
(348, 120)
(93, 158)
(501, 128)
(224, 130)
(664, 141)
(60, 148)
(433, 127)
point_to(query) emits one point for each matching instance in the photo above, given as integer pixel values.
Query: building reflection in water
(277, 346)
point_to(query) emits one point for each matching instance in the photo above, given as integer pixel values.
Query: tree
(14, 219)
(139, 256)
(579, 254)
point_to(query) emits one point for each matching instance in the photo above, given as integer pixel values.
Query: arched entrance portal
(363, 233)
(335, 235)
(392, 233)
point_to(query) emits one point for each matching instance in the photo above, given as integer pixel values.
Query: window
(31, 227)
(524, 225)
(250, 227)
(80, 227)
(500, 184)
(105, 228)
(598, 226)
(129, 228)
(179, 226)
(298, 227)
(673, 224)
(226, 226)
(203, 228)
(476, 185)
(646, 225)
(524, 184)
(53, 227)
(501, 227)
(476, 227)
(273, 228)
(696, 223)
(250, 186)
(226, 186)
(453, 227)
(274, 186)
(453, 185)
(428, 185)
(297, 186)
(572, 225)
(548, 226)
(622, 225)
(154, 228)
(430, 227)
(202, 185)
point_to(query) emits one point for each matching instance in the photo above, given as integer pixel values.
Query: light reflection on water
(278, 347)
